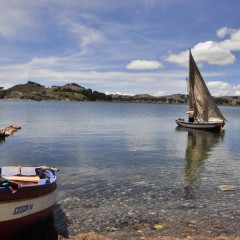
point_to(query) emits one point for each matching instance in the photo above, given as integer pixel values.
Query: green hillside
(37, 92)
(75, 92)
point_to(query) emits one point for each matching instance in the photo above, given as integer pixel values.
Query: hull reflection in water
(198, 149)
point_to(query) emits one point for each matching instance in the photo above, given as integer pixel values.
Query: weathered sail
(200, 100)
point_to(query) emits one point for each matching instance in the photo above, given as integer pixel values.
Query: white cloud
(12, 20)
(212, 52)
(85, 35)
(21, 20)
(6, 85)
(180, 59)
(237, 93)
(221, 33)
(49, 73)
(144, 64)
(219, 88)
(159, 94)
(233, 43)
(119, 93)
(43, 61)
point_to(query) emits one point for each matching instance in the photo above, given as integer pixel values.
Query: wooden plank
(23, 178)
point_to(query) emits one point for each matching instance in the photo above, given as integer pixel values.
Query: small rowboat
(27, 197)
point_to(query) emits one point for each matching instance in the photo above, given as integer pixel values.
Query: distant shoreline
(133, 102)
(75, 93)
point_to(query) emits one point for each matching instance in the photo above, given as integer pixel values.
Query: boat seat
(28, 171)
(18, 170)
(18, 173)
(10, 170)
(34, 179)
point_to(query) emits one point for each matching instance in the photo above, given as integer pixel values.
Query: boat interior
(24, 175)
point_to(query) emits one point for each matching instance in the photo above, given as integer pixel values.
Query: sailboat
(203, 112)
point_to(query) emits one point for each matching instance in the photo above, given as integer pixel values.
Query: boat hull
(28, 206)
(207, 126)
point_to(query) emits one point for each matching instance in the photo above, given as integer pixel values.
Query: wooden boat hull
(18, 216)
(2, 133)
(207, 126)
(29, 205)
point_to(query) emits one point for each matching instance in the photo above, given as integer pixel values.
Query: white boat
(204, 113)
(27, 197)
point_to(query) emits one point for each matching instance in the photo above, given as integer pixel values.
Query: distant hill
(37, 92)
(174, 98)
(75, 92)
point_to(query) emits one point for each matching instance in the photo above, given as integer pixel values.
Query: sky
(121, 46)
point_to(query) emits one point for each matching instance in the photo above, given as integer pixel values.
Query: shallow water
(125, 167)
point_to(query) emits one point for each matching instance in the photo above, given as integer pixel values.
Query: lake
(125, 167)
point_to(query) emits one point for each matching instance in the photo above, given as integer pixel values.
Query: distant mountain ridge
(174, 98)
(74, 92)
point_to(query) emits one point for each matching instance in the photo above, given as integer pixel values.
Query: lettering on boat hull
(23, 208)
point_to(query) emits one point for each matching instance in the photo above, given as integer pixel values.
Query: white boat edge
(15, 209)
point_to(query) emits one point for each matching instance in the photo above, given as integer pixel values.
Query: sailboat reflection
(199, 147)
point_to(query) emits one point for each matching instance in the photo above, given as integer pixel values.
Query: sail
(200, 100)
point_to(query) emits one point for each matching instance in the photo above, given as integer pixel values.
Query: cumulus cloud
(212, 52)
(144, 65)
(221, 33)
(159, 94)
(119, 93)
(219, 88)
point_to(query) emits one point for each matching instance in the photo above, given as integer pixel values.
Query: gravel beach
(93, 236)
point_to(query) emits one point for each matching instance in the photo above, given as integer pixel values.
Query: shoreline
(94, 236)
(48, 231)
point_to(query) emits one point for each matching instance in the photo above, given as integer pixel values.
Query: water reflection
(2, 140)
(198, 149)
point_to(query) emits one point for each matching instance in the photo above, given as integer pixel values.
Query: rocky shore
(93, 236)
(47, 231)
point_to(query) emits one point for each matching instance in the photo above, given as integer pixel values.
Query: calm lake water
(125, 167)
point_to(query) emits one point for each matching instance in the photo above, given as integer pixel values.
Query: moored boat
(207, 126)
(27, 197)
(203, 112)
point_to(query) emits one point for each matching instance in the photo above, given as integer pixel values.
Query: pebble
(159, 227)
(227, 187)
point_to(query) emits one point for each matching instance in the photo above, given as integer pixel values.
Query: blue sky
(126, 47)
